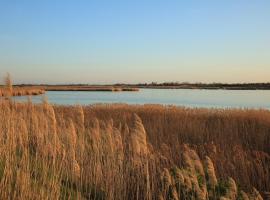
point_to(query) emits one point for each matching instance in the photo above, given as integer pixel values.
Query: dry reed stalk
(23, 180)
(51, 139)
(72, 141)
(108, 143)
(81, 118)
(118, 145)
(138, 141)
(139, 157)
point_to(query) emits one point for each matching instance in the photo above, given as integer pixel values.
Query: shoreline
(137, 87)
(26, 90)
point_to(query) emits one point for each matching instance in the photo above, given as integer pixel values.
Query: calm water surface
(189, 98)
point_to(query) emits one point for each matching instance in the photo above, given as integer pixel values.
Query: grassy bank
(136, 87)
(93, 88)
(207, 86)
(89, 88)
(37, 90)
(7, 90)
(21, 91)
(132, 152)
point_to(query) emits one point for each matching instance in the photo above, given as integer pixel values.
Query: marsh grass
(20, 91)
(8, 90)
(131, 152)
(90, 88)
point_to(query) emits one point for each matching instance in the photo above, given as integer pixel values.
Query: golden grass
(9, 90)
(21, 91)
(132, 152)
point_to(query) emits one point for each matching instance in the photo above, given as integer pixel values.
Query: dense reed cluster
(8, 90)
(131, 152)
(21, 91)
(237, 141)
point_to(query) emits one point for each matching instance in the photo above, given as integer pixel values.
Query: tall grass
(132, 152)
(238, 141)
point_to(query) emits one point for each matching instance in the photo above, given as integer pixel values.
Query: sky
(121, 41)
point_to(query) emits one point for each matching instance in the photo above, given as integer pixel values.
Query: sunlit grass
(131, 152)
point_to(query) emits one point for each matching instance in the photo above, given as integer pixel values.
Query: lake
(180, 97)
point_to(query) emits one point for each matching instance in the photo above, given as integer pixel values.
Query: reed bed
(91, 88)
(21, 91)
(7, 90)
(238, 141)
(132, 152)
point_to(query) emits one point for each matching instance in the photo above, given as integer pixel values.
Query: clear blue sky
(98, 41)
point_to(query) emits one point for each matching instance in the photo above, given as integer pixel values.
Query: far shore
(136, 87)
(90, 88)
(28, 89)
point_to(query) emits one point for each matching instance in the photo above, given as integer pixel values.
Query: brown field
(132, 152)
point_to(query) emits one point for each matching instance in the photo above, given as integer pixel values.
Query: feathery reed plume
(173, 194)
(256, 195)
(41, 154)
(168, 189)
(193, 164)
(52, 139)
(232, 191)
(8, 83)
(210, 173)
(178, 176)
(166, 179)
(139, 157)
(138, 140)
